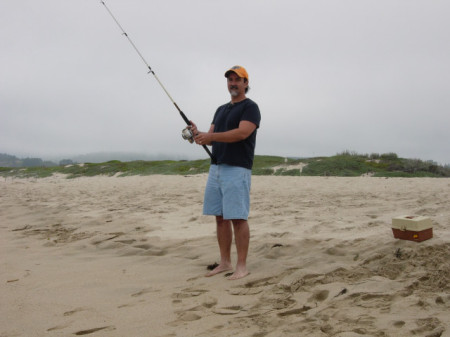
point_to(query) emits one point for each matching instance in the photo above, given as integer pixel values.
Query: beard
(233, 91)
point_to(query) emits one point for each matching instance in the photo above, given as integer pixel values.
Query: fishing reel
(187, 135)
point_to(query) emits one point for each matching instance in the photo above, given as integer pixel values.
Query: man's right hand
(193, 128)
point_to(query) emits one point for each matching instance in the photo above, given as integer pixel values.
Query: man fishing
(232, 135)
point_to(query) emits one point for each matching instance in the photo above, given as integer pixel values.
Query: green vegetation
(111, 168)
(343, 164)
(348, 164)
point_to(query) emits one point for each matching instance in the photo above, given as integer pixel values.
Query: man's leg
(224, 238)
(242, 240)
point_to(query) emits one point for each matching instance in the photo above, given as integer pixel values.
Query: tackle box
(411, 227)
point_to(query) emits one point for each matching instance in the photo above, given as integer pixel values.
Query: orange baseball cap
(238, 70)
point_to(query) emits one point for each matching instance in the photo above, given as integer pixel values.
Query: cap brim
(230, 71)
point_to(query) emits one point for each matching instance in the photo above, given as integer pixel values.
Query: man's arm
(244, 130)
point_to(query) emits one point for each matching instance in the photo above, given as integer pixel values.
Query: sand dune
(109, 256)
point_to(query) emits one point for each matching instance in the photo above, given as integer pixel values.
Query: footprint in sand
(187, 293)
(59, 327)
(319, 296)
(246, 291)
(430, 326)
(183, 318)
(296, 311)
(233, 310)
(189, 317)
(144, 291)
(399, 324)
(129, 305)
(74, 311)
(89, 331)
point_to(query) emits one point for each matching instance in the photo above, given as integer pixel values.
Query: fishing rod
(186, 133)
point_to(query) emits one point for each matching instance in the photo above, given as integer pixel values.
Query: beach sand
(110, 256)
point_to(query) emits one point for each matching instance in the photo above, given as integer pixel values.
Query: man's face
(236, 85)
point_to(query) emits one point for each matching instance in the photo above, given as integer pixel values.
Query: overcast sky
(366, 76)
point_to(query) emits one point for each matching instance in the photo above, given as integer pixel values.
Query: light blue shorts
(227, 192)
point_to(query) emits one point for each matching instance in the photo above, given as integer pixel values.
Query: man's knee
(221, 221)
(238, 222)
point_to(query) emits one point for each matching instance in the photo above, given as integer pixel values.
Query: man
(227, 195)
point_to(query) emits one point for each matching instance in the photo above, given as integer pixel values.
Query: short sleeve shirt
(228, 117)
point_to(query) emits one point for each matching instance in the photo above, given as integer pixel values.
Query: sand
(110, 256)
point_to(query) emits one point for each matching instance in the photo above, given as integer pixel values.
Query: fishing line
(186, 133)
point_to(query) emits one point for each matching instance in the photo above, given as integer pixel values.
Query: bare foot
(219, 269)
(238, 274)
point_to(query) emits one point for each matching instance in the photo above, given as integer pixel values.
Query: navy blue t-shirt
(228, 117)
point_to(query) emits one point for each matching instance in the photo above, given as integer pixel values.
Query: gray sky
(366, 76)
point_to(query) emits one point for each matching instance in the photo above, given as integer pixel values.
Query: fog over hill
(100, 157)
(8, 160)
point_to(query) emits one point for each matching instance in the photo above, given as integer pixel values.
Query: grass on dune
(345, 164)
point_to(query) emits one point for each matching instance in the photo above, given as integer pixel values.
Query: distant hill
(101, 157)
(7, 160)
